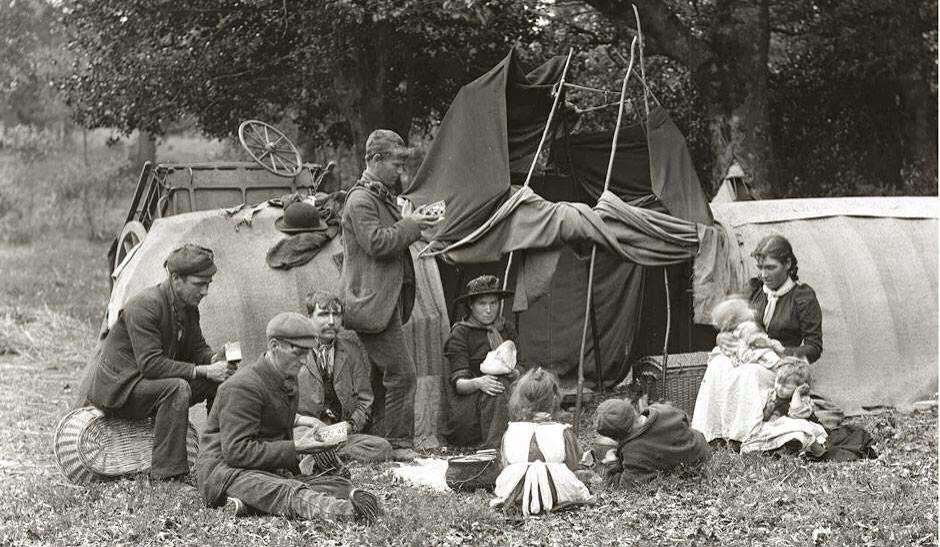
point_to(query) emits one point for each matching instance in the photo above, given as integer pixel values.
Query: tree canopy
(335, 68)
(811, 97)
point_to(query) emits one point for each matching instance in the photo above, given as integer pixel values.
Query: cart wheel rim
(131, 237)
(270, 148)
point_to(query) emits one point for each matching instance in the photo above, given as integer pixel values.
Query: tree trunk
(733, 86)
(146, 148)
(361, 93)
(728, 64)
(919, 128)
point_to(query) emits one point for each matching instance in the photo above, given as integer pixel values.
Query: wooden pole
(590, 288)
(535, 159)
(662, 383)
(639, 33)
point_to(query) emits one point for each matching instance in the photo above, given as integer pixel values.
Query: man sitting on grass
(155, 361)
(334, 383)
(248, 457)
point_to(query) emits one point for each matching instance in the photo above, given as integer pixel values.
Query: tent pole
(587, 311)
(598, 369)
(662, 389)
(639, 33)
(535, 159)
(590, 287)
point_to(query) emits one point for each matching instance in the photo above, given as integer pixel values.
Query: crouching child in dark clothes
(655, 441)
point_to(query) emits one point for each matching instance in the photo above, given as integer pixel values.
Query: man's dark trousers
(393, 383)
(168, 401)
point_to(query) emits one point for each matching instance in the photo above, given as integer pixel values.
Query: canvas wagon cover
(873, 265)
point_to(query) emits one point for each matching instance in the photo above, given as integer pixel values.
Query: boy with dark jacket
(656, 441)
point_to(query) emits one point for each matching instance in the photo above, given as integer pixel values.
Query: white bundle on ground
(427, 472)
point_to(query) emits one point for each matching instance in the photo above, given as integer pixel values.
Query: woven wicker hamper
(90, 446)
(683, 377)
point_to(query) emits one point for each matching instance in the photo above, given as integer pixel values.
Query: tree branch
(664, 33)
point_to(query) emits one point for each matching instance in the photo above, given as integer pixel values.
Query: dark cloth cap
(614, 418)
(483, 285)
(299, 217)
(191, 259)
(386, 142)
(292, 327)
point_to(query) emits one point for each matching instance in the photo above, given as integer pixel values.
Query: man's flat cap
(191, 259)
(292, 327)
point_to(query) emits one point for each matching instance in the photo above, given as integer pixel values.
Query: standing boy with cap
(248, 455)
(155, 362)
(378, 283)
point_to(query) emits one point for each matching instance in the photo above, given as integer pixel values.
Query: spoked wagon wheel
(131, 236)
(270, 148)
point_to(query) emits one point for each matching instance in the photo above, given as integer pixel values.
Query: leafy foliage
(332, 67)
(851, 86)
(855, 99)
(31, 56)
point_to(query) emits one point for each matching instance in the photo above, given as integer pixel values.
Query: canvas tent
(486, 142)
(246, 294)
(873, 265)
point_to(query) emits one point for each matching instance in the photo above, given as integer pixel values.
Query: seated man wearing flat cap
(248, 457)
(155, 362)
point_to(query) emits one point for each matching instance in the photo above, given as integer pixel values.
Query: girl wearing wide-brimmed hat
(477, 404)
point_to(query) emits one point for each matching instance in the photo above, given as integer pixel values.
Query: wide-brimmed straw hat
(481, 286)
(300, 217)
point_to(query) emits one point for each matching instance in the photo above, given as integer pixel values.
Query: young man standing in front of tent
(378, 283)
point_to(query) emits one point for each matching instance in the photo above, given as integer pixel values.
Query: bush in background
(49, 185)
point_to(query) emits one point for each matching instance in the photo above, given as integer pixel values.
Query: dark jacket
(376, 260)
(351, 381)
(146, 342)
(466, 348)
(663, 444)
(797, 320)
(250, 427)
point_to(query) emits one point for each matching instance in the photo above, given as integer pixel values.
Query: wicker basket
(89, 445)
(683, 377)
(468, 473)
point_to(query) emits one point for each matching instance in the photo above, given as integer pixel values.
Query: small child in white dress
(740, 338)
(539, 454)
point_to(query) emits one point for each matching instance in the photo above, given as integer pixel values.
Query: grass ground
(52, 295)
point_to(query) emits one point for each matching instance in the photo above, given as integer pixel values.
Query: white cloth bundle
(501, 360)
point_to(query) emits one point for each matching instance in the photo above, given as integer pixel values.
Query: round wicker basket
(89, 445)
(468, 473)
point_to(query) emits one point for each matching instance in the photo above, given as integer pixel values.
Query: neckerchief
(180, 312)
(773, 296)
(324, 352)
(368, 181)
(492, 330)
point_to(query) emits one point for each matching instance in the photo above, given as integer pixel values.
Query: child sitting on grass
(790, 394)
(539, 454)
(655, 441)
(740, 337)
